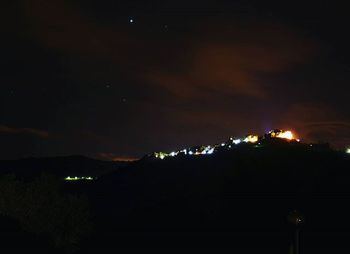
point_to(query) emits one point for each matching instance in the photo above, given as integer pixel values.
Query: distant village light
(210, 149)
(76, 178)
(285, 134)
(251, 139)
(282, 134)
(236, 141)
(348, 151)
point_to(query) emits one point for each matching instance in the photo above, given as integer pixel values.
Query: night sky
(119, 79)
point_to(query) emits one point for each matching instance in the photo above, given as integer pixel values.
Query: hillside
(60, 166)
(234, 197)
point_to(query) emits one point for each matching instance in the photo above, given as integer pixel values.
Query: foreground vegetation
(41, 207)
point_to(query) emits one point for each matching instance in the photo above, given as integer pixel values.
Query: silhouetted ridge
(61, 166)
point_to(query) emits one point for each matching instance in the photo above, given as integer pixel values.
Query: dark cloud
(29, 131)
(229, 61)
(105, 87)
(115, 157)
(335, 133)
(317, 122)
(233, 59)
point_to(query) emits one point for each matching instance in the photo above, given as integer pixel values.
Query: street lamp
(297, 219)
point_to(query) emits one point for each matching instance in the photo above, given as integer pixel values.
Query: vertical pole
(296, 247)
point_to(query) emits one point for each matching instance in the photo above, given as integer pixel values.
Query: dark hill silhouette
(235, 198)
(60, 166)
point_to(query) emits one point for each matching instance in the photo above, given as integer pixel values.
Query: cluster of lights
(191, 151)
(251, 139)
(282, 134)
(210, 149)
(202, 150)
(78, 178)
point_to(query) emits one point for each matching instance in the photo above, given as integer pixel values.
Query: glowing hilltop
(210, 149)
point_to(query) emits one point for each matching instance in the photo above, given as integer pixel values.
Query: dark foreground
(237, 200)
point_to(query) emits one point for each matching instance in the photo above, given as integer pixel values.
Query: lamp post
(296, 218)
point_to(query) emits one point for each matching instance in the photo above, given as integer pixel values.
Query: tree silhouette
(41, 207)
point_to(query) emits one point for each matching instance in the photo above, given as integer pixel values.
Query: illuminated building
(251, 139)
(160, 155)
(282, 134)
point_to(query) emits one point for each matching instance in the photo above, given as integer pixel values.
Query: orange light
(285, 134)
(282, 134)
(251, 139)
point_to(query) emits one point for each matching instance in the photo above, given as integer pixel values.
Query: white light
(172, 154)
(211, 151)
(285, 134)
(222, 144)
(348, 150)
(131, 21)
(76, 178)
(190, 152)
(236, 141)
